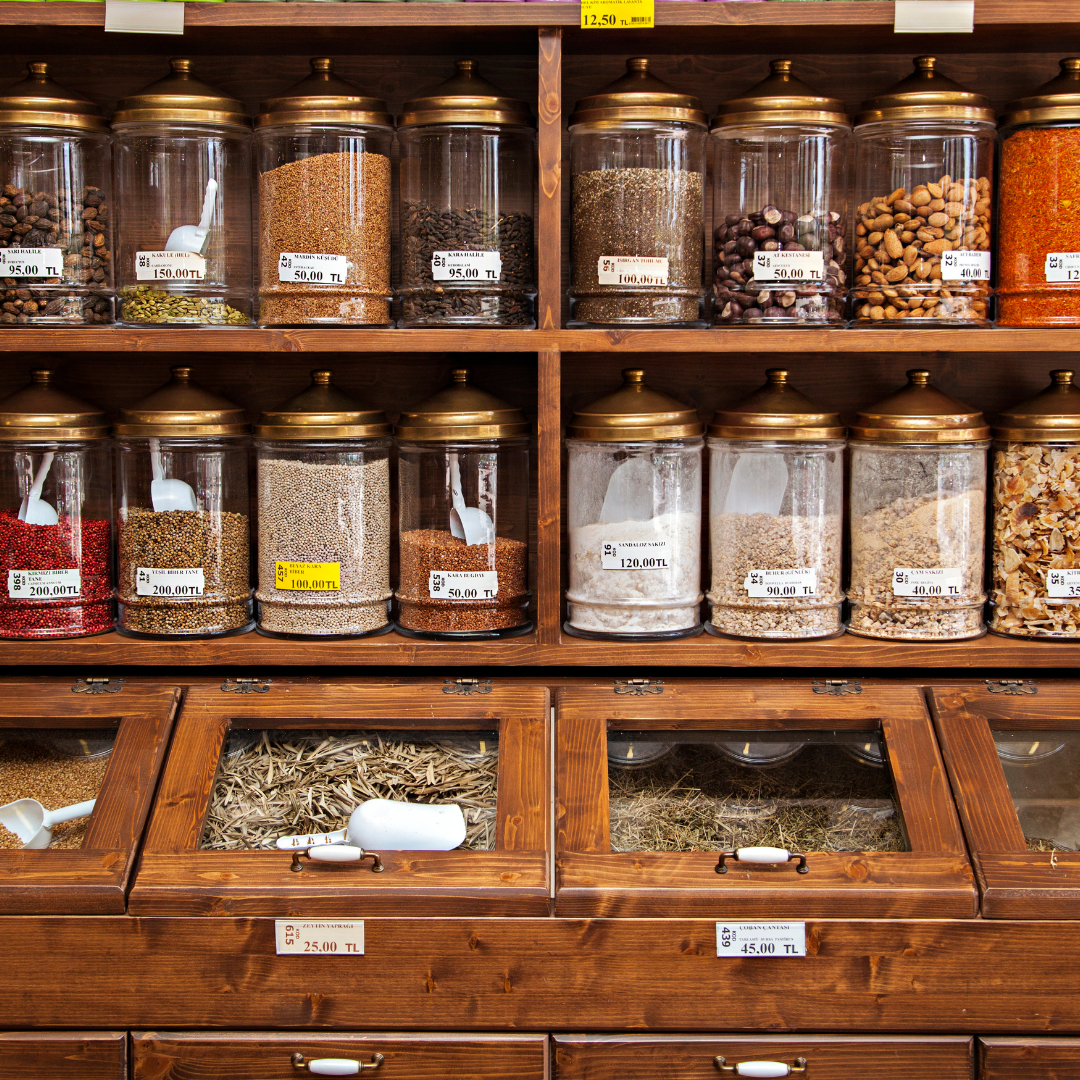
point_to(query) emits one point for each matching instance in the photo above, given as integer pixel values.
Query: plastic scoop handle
(68, 813)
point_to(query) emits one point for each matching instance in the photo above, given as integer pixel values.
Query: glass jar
(637, 184)
(183, 177)
(634, 516)
(182, 524)
(324, 205)
(780, 206)
(467, 174)
(924, 174)
(776, 497)
(55, 207)
(463, 505)
(55, 515)
(324, 516)
(918, 512)
(1039, 249)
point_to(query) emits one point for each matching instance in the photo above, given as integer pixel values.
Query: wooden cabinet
(1019, 1058)
(63, 1055)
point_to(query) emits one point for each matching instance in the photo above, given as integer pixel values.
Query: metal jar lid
(462, 412)
(779, 100)
(465, 98)
(181, 408)
(777, 411)
(926, 94)
(182, 98)
(635, 413)
(38, 101)
(1050, 416)
(323, 98)
(920, 414)
(639, 95)
(41, 412)
(1057, 101)
(322, 411)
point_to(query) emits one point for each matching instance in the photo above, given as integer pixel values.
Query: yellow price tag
(308, 576)
(617, 14)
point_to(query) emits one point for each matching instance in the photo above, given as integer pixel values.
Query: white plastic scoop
(759, 483)
(385, 825)
(193, 237)
(629, 495)
(33, 824)
(468, 523)
(34, 510)
(167, 494)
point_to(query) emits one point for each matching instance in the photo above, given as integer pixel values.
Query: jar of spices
(55, 515)
(324, 516)
(1036, 524)
(324, 204)
(463, 534)
(924, 189)
(634, 516)
(55, 206)
(1039, 203)
(776, 495)
(918, 511)
(637, 184)
(780, 206)
(467, 174)
(183, 177)
(182, 524)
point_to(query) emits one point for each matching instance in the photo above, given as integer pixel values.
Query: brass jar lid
(181, 408)
(322, 411)
(926, 94)
(182, 98)
(781, 99)
(920, 414)
(38, 101)
(1050, 416)
(41, 412)
(323, 98)
(465, 98)
(639, 95)
(462, 412)
(777, 411)
(1054, 102)
(635, 413)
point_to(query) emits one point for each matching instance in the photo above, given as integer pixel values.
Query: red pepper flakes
(54, 547)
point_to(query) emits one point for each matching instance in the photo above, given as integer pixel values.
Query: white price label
(781, 584)
(1063, 584)
(466, 265)
(463, 584)
(295, 938)
(150, 581)
(965, 266)
(789, 265)
(43, 584)
(312, 269)
(934, 17)
(942, 581)
(635, 555)
(31, 262)
(761, 939)
(1062, 266)
(631, 270)
(144, 17)
(169, 265)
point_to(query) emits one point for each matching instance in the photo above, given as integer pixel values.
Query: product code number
(761, 939)
(463, 584)
(43, 584)
(635, 555)
(294, 938)
(169, 266)
(308, 576)
(631, 270)
(312, 269)
(943, 581)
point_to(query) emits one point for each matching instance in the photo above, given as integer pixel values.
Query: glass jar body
(184, 573)
(924, 193)
(324, 190)
(56, 201)
(466, 218)
(324, 537)
(163, 174)
(917, 530)
(636, 193)
(634, 528)
(776, 530)
(779, 190)
(56, 579)
(446, 587)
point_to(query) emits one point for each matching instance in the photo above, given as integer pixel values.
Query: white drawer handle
(336, 853)
(761, 856)
(761, 1068)
(335, 1066)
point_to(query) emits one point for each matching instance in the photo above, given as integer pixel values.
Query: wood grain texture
(549, 152)
(70, 1055)
(582, 819)
(1013, 1058)
(549, 526)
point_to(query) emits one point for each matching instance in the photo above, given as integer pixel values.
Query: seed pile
(329, 204)
(290, 782)
(149, 304)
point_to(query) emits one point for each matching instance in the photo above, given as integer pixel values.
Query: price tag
(617, 14)
(1062, 266)
(43, 584)
(144, 17)
(965, 266)
(168, 265)
(150, 581)
(631, 270)
(635, 555)
(308, 576)
(781, 584)
(761, 939)
(943, 581)
(31, 262)
(1063, 584)
(789, 265)
(934, 17)
(295, 938)
(463, 584)
(466, 265)
(312, 269)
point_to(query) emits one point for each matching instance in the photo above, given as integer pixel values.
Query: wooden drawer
(63, 1055)
(624, 854)
(1023, 1058)
(179, 876)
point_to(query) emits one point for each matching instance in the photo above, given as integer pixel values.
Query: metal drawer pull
(337, 853)
(335, 1066)
(761, 1068)
(761, 856)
